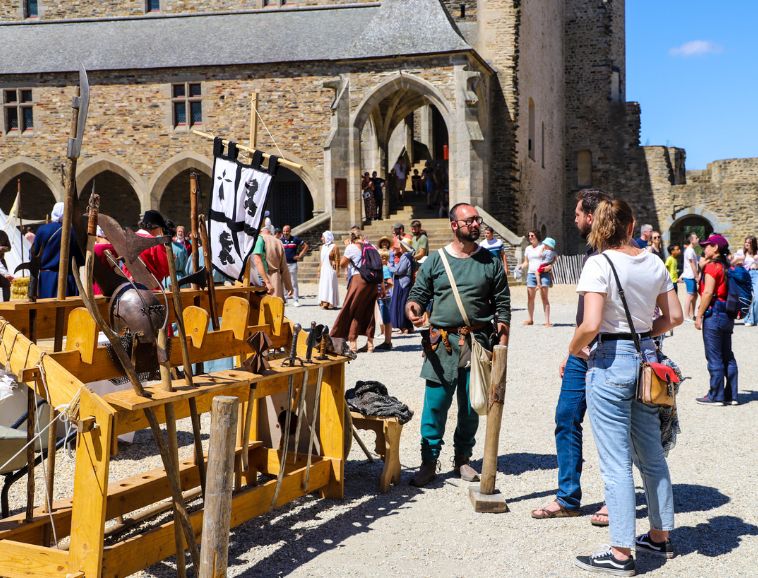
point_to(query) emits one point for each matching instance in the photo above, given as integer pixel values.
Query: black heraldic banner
(237, 204)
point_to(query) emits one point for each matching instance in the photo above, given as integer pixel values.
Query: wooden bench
(388, 430)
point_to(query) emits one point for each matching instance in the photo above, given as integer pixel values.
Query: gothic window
(31, 9)
(18, 111)
(152, 6)
(187, 104)
(584, 168)
(532, 124)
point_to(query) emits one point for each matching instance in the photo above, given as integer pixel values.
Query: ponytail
(610, 225)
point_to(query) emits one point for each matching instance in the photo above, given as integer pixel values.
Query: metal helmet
(136, 309)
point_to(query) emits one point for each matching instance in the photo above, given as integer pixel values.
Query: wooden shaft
(193, 225)
(173, 449)
(494, 418)
(31, 411)
(178, 314)
(284, 162)
(253, 120)
(251, 401)
(52, 438)
(209, 268)
(214, 554)
(68, 207)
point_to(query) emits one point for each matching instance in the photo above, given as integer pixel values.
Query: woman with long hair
(656, 245)
(625, 429)
(716, 324)
(328, 289)
(357, 314)
(747, 257)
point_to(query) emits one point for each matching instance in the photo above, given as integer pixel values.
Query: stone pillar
(337, 152)
(466, 141)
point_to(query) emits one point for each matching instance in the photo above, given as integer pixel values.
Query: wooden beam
(136, 553)
(25, 560)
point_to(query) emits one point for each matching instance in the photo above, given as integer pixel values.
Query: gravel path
(434, 532)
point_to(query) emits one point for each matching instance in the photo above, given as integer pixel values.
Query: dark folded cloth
(372, 398)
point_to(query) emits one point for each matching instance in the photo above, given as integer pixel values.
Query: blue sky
(693, 67)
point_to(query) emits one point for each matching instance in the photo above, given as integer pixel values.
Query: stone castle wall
(130, 130)
(498, 30)
(69, 9)
(541, 81)
(726, 194)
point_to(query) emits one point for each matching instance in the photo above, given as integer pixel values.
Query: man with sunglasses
(483, 289)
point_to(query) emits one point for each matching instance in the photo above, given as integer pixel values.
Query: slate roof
(348, 32)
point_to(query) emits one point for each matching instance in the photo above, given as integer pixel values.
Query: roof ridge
(167, 16)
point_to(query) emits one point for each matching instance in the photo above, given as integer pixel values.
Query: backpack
(371, 269)
(739, 292)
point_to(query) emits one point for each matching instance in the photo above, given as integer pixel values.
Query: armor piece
(136, 309)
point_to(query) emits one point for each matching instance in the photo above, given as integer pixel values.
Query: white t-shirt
(534, 256)
(689, 254)
(355, 254)
(643, 278)
(749, 261)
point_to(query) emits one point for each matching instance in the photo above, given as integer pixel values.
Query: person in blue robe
(48, 239)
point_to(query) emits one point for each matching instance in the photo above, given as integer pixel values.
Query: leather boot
(464, 470)
(425, 474)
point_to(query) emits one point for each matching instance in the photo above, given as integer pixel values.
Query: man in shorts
(690, 275)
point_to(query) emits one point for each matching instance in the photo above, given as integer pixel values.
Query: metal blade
(81, 103)
(129, 246)
(28, 265)
(199, 278)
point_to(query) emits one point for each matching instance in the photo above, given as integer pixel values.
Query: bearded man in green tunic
(483, 289)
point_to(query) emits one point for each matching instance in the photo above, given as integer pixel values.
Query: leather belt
(621, 336)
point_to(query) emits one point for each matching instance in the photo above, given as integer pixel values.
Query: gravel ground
(434, 531)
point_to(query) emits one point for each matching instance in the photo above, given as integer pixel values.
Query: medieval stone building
(522, 100)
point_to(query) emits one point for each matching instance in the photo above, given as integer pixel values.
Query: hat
(398, 226)
(549, 241)
(716, 239)
(385, 238)
(155, 219)
(407, 247)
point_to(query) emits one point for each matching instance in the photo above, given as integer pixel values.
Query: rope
(281, 154)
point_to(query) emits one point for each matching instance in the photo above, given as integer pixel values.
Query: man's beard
(471, 236)
(584, 231)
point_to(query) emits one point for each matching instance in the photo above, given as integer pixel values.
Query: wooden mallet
(486, 498)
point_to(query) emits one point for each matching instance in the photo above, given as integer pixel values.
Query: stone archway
(118, 198)
(19, 165)
(290, 201)
(184, 162)
(105, 162)
(174, 201)
(37, 199)
(384, 109)
(695, 219)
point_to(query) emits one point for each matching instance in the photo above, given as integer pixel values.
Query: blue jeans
(752, 314)
(569, 414)
(627, 431)
(717, 338)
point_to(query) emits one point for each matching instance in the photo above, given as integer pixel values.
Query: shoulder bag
(655, 381)
(481, 359)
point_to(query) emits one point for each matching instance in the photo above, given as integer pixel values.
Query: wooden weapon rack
(25, 548)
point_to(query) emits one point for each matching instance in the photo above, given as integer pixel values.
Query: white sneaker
(295, 303)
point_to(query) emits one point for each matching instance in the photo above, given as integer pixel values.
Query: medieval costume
(401, 287)
(47, 243)
(276, 264)
(328, 289)
(357, 314)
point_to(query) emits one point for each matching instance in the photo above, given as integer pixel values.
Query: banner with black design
(238, 201)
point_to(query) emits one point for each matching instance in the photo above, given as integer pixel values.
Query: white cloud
(696, 48)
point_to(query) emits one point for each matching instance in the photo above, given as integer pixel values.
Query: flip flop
(599, 519)
(562, 512)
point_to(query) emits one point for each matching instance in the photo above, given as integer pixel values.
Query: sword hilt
(311, 337)
(322, 344)
(293, 349)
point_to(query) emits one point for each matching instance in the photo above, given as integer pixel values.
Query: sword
(288, 419)
(316, 404)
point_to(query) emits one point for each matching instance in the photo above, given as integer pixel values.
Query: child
(547, 258)
(385, 295)
(672, 264)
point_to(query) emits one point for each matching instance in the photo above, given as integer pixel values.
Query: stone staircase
(437, 229)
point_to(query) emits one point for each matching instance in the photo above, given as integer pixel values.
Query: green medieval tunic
(484, 291)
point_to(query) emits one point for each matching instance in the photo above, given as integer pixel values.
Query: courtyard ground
(434, 531)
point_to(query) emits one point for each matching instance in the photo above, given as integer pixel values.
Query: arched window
(584, 168)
